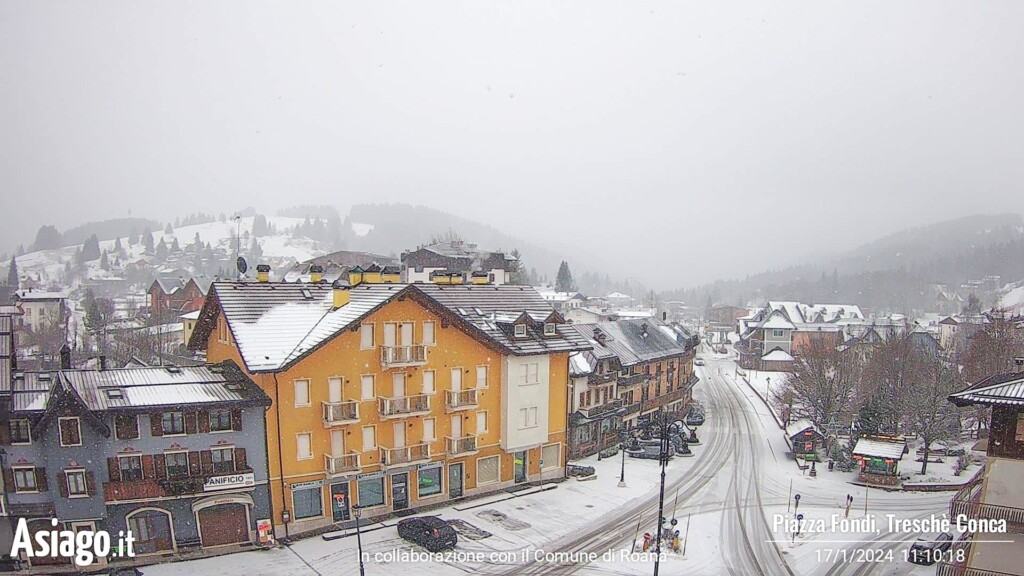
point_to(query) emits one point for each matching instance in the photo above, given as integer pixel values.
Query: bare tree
(822, 387)
(926, 408)
(888, 367)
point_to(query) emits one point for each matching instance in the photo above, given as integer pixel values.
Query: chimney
(103, 363)
(65, 357)
(340, 295)
(263, 273)
(316, 273)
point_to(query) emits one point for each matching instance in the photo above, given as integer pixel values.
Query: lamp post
(359, 541)
(663, 456)
(622, 474)
(767, 388)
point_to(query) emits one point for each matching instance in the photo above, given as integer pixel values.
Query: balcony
(665, 399)
(132, 490)
(603, 409)
(401, 406)
(600, 379)
(460, 446)
(632, 379)
(972, 556)
(334, 465)
(631, 409)
(461, 399)
(968, 501)
(399, 356)
(404, 455)
(340, 413)
(149, 489)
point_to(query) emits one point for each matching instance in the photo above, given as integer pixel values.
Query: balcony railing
(595, 411)
(599, 379)
(460, 446)
(396, 356)
(149, 489)
(404, 455)
(664, 399)
(341, 464)
(967, 501)
(461, 399)
(338, 413)
(632, 379)
(631, 409)
(403, 405)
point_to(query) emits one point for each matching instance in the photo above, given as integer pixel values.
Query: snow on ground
(1013, 300)
(361, 229)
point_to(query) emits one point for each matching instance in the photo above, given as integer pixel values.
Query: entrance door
(339, 502)
(334, 390)
(399, 434)
(520, 467)
(223, 524)
(400, 491)
(152, 531)
(455, 480)
(337, 443)
(456, 427)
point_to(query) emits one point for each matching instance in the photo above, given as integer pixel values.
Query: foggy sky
(691, 139)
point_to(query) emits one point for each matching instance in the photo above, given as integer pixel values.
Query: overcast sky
(718, 140)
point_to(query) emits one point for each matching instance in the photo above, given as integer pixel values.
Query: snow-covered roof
(777, 355)
(579, 365)
(799, 426)
(777, 322)
(39, 295)
(1004, 389)
(881, 448)
(619, 296)
(194, 315)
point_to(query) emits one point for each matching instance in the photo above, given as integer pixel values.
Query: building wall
(771, 341)
(517, 396)
(343, 357)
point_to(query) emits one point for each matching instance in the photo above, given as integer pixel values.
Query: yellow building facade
(406, 406)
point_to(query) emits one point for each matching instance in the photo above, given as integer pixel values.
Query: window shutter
(161, 466)
(204, 421)
(156, 426)
(193, 464)
(148, 468)
(206, 461)
(133, 426)
(62, 483)
(9, 479)
(236, 419)
(240, 463)
(41, 482)
(190, 422)
(114, 469)
(5, 435)
(90, 483)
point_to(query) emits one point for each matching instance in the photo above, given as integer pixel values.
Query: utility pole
(663, 457)
(359, 541)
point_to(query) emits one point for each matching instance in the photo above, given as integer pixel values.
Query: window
(303, 446)
(481, 376)
(301, 393)
(308, 502)
(25, 479)
(220, 420)
(428, 333)
(550, 456)
(589, 398)
(131, 468)
(529, 373)
(366, 387)
(70, 431)
(520, 330)
(21, 432)
(176, 464)
(369, 438)
(1020, 428)
(126, 426)
(528, 417)
(456, 378)
(549, 329)
(222, 330)
(76, 483)
(488, 470)
(366, 336)
(428, 381)
(583, 399)
(428, 482)
(428, 429)
(777, 333)
(371, 492)
(172, 423)
(481, 422)
(223, 460)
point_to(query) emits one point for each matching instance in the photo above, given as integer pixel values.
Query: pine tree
(104, 262)
(161, 250)
(168, 229)
(117, 246)
(91, 248)
(256, 251)
(147, 239)
(12, 274)
(175, 247)
(133, 236)
(564, 281)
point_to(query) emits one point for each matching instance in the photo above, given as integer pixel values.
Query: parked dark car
(430, 532)
(928, 550)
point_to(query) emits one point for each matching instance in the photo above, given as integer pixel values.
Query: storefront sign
(310, 484)
(229, 481)
(370, 476)
(429, 465)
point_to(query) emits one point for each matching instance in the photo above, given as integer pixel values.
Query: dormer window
(549, 329)
(520, 330)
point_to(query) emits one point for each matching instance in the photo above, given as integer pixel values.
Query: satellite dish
(242, 265)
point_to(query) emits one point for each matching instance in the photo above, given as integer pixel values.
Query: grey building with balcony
(176, 455)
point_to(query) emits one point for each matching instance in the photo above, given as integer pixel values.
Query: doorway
(520, 466)
(455, 480)
(400, 491)
(339, 502)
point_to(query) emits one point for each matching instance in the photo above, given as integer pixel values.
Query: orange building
(392, 396)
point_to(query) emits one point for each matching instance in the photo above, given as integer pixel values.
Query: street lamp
(622, 475)
(359, 541)
(767, 388)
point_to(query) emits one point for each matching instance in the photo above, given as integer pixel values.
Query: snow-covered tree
(564, 281)
(12, 274)
(147, 239)
(926, 409)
